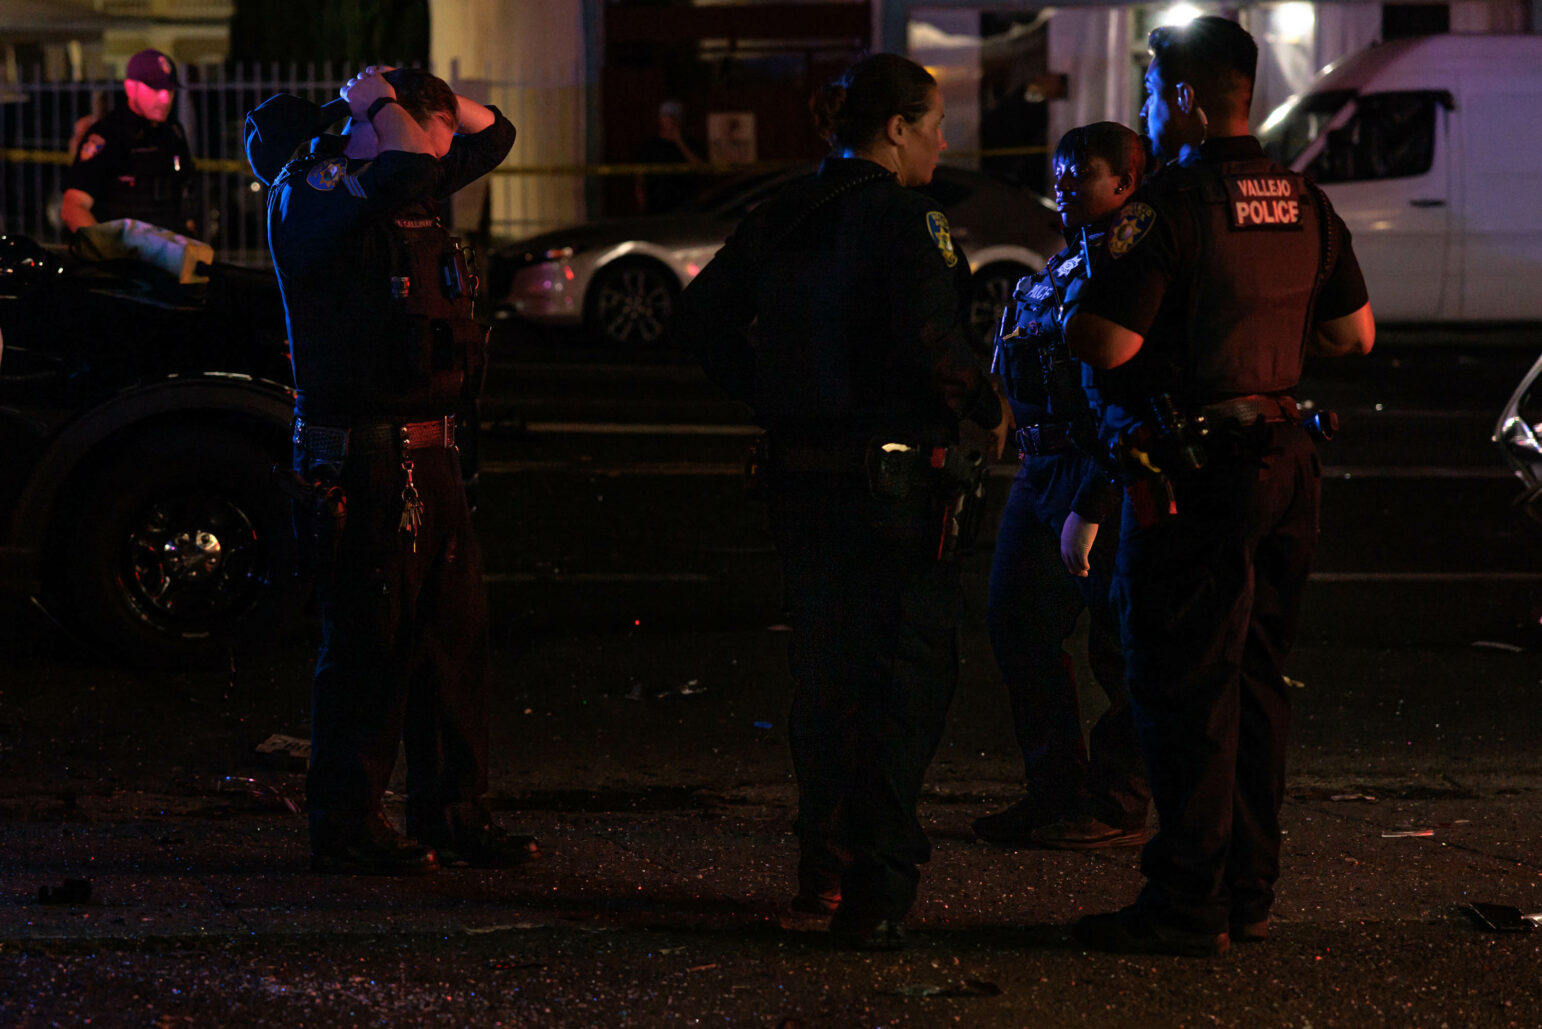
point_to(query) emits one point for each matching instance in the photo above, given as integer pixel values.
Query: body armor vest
(1251, 297)
(433, 353)
(151, 189)
(441, 351)
(1038, 372)
(822, 363)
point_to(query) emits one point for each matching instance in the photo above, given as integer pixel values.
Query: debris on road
(967, 988)
(265, 794)
(1504, 918)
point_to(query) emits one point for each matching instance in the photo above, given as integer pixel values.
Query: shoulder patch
(91, 147)
(937, 225)
(326, 175)
(1134, 221)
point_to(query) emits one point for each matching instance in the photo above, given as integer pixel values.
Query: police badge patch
(1134, 221)
(91, 147)
(325, 176)
(937, 225)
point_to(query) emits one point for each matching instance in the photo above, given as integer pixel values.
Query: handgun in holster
(901, 471)
(963, 476)
(320, 515)
(1146, 485)
(1152, 451)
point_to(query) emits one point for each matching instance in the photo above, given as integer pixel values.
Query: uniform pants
(1209, 601)
(875, 661)
(1034, 605)
(404, 648)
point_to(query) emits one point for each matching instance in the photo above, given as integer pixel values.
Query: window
(1389, 136)
(1296, 125)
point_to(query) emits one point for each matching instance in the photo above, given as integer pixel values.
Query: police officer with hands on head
(134, 163)
(378, 298)
(834, 312)
(1051, 559)
(1221, 273)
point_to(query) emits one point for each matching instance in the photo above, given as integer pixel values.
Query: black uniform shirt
(1146, 289)
(1137, 296)
(330, 225)
(133, 168)
(850, 325)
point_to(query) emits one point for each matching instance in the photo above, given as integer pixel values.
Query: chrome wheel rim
(634, 306)
(192, 559)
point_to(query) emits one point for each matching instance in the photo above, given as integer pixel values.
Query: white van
(1431, 150)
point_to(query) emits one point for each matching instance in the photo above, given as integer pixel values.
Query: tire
(630, 304)
(181, 547)
(989, 292)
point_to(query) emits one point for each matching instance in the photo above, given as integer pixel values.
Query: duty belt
(327, 442)
(1044, 438)
(1249, 409)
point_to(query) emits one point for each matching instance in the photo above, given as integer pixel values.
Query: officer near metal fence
(1055, 545)
(1221, 273)
(135, 162)
(385, 350)
(834, 312)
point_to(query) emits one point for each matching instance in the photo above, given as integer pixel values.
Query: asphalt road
(638, 727)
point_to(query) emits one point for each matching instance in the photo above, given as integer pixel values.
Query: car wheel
(991, 289)
(180, 547)
(630, 304)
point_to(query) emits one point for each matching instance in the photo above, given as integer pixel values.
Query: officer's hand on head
(365, 88)
(1076, 539)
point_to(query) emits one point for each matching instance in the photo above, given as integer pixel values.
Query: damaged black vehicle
(141, 414)
(1519, 435)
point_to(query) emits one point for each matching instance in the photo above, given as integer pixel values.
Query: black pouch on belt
(896, 471)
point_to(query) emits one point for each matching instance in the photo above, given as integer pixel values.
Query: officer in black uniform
(1221, 273)
(1051, 559)
(385, 350)
(834, 312)
(134, 163)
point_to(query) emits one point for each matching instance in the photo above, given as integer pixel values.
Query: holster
(319, 511)
(953, 477)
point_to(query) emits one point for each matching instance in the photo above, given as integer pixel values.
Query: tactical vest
(433, 354)
(1255, 279)
(1032, 358)
(810, 368)
(155, 194)
(440, 353)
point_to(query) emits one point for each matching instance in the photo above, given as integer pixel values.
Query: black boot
(465, 834)
(367, 845)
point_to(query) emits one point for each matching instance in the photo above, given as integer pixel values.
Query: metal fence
(40, 118)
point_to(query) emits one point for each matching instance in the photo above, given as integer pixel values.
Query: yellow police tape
(214, 164)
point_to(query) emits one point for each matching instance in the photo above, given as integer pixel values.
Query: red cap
(154, 69)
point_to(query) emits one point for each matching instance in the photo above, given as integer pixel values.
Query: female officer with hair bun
(834, 312)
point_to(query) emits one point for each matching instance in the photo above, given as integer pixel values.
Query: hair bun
(826, 105)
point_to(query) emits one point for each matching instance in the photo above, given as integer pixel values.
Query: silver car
(618, 279)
